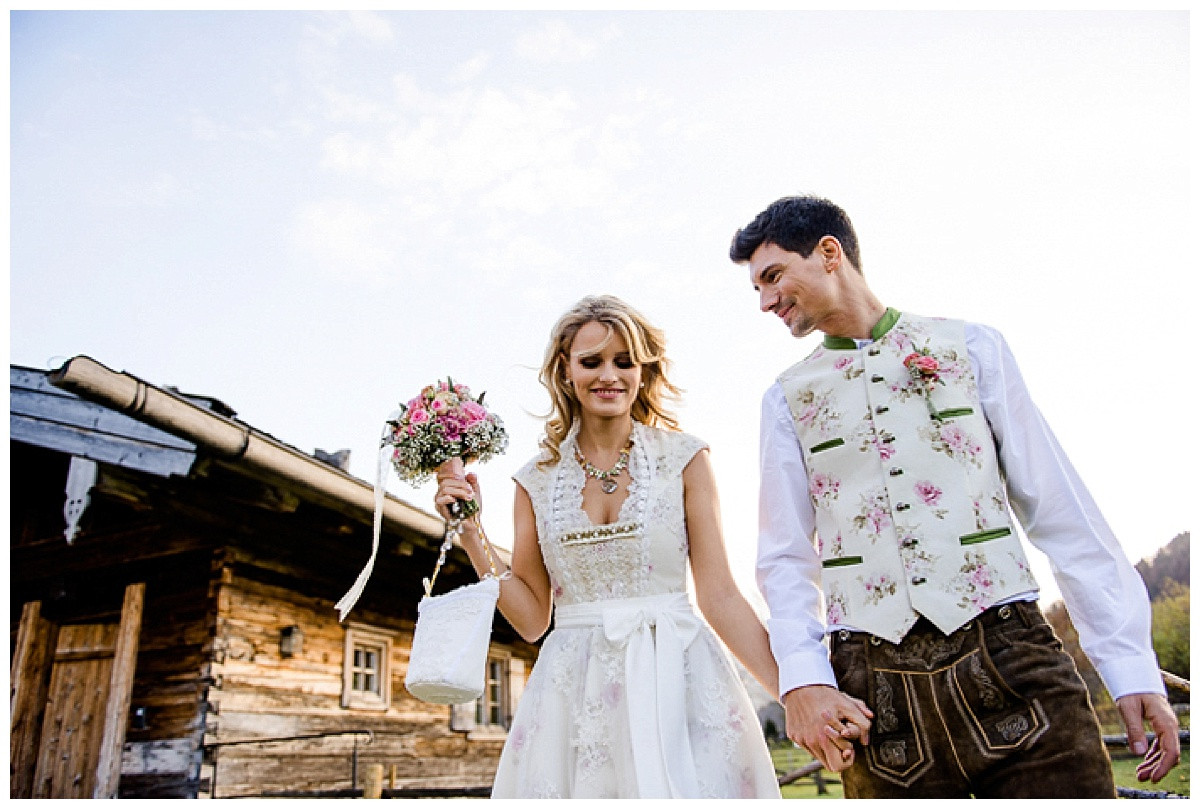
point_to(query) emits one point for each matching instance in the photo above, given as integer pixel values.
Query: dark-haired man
(900, 444)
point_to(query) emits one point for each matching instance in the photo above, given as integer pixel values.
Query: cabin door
(75, 707)
(87, 706)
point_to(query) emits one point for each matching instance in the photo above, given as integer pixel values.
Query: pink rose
(418, 415)
(474, 412)
(921, 363)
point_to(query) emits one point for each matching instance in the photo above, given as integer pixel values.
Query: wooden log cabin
(173, 573)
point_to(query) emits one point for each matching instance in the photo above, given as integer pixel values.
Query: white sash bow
(657, 630)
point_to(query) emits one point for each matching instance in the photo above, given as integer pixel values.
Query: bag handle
(454, 528)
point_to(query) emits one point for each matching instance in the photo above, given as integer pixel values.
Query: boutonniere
(925, 371)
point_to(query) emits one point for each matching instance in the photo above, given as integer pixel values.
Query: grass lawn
(1179, 781)
(788, 757)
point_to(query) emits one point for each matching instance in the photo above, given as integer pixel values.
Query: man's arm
(819, 717)
(1103, 592)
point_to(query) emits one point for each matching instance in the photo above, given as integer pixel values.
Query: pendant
(609, 486)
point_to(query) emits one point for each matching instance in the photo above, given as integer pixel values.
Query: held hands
(827, 723)
(1163, 754)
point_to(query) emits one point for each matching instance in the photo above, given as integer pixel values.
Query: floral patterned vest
(912, 517)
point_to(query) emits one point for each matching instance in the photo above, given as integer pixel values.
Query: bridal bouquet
(442, 423)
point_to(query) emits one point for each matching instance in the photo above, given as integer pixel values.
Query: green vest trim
(877, 331)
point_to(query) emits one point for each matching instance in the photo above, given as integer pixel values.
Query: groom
(901, 443)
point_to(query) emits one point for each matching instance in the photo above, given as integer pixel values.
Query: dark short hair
(796, 224)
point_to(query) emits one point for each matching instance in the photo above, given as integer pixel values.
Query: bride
(632, 695)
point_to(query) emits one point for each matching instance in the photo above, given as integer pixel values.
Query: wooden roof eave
(235, 442)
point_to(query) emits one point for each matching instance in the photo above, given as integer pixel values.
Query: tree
(1166, 576)
(1171, 631)
(1172, 562)
(1060, 620)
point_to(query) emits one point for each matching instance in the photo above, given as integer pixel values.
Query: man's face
(794, 288)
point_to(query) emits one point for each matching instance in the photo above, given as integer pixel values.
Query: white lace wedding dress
(632, 694)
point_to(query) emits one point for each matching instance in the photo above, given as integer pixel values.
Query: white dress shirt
(1104, 594)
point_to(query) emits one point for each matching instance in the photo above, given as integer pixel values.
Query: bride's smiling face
(601, 371)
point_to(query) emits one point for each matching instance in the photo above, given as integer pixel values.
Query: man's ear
(831, 252)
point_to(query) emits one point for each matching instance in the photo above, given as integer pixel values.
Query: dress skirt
(634, 698)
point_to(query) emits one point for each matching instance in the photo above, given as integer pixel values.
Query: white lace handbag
(449, 652)
(448, 662)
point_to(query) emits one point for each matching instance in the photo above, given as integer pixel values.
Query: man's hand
(1163, 754)
(826, 723)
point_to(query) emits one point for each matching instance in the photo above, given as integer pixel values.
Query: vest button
(894, 471)
(874, 352)
(902, 507)
(918, 579)
(888, 438)
(881, 409)
(876, 378)
(909, 543)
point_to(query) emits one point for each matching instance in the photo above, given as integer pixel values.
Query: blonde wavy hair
(647, 348)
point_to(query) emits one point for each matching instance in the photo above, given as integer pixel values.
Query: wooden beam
(31, 662)
(116, 714)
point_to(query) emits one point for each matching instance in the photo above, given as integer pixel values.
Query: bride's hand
(454, 487)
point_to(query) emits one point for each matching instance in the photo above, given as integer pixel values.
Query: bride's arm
(524, 597)
(717, 594)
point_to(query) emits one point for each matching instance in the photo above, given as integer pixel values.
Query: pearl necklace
(607, 484)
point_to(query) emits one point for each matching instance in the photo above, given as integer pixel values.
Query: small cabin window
(492, 709)
(365, 670)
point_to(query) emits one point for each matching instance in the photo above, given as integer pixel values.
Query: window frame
(485, 706)
(381, 641)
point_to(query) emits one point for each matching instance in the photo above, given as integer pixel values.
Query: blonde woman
(631, 696)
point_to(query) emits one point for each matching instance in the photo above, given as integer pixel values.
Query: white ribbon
(351, 598)
(657, 630)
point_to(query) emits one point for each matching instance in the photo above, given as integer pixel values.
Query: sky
(311, 215)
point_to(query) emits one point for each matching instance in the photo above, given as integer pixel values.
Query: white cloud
(555, 41)
(334, 28)
(345, 238)
(471, 69)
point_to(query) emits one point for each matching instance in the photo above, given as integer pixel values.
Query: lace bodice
(644, 552)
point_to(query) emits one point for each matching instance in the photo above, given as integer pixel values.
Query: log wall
(259, 694)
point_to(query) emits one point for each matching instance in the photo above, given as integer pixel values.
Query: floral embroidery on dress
(591, 735)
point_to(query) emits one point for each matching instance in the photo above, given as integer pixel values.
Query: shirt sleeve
(788, 571)
(1103, 592)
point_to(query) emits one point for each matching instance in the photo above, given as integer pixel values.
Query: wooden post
(32, 658)
(116, 713)
(373, 781)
